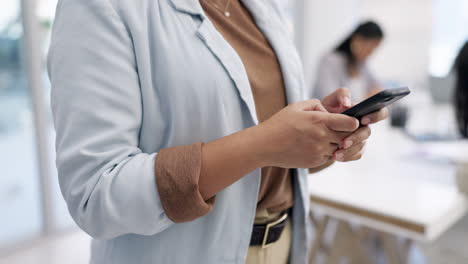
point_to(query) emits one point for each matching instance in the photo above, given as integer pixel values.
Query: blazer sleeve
(105, 178)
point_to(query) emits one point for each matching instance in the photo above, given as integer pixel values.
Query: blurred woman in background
(346, 65)
(461, 90)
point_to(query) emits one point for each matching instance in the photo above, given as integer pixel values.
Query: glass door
(20, 200)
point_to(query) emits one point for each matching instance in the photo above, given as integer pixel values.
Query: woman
(173, 134)
(346, 65)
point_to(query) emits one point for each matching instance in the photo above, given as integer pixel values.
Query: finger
(310, 105)
(331, 149)
(344, 97)
(320, 108)
(338, 101)
(375, 117)
(335, 137)
(361, 134)
(356, 156)
(355, 153)
(325, 159)
(340, 97)
(349, 154)
(339, 122)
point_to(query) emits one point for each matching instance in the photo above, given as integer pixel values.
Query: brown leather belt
(268, 233)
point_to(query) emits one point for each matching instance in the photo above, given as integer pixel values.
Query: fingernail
(365, 121)
(348, 143)
(339, 156)
(347, 102)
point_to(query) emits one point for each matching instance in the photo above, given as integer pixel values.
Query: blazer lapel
(223, 51)
(230, 61)
(281, 41)
(276, 34)
(192, 7)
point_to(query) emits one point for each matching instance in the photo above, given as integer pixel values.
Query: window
(450, 31)
(19, 181)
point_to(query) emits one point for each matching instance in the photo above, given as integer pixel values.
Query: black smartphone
(377, 102)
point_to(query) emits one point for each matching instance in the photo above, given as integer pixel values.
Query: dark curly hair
(461, 90)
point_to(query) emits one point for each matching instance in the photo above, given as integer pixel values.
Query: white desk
(390, 190)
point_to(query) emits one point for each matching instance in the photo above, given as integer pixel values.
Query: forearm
(228, 159)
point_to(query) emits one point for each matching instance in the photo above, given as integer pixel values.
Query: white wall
(325, 24)
(403, 57)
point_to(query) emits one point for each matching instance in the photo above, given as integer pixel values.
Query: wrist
(260, 145)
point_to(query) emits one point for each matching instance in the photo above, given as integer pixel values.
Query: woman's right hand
(303, 135)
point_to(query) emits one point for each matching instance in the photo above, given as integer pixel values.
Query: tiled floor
(73, 248)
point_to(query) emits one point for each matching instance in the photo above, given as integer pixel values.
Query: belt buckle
(267, 230)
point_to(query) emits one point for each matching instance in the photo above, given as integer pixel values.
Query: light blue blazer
(130, 77)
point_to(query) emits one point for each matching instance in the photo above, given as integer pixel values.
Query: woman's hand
(340, 100)
(352, 147)
(303, 135)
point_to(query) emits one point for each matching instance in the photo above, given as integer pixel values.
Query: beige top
(266, 81)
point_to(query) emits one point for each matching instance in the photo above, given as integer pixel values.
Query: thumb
(344, 98)
(341, 123)
(339, 100)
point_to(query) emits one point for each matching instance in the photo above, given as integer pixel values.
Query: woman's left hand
(340, 100)
(352, 147)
